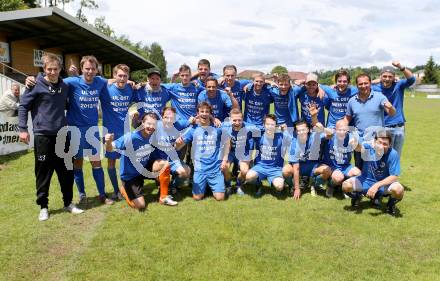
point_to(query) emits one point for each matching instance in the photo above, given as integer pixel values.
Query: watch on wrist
(402, 68)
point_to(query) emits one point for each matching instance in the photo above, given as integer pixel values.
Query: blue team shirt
(336, 103)
(221, 103)
(166, 138)
(84, 98)
(369, 113)
(153, 101)
(207, 146)
(305, 101)
(257, 106)
(395, 94)
(272, 151)
(136, 151)
(337, 154)
(115, 104)
(305, 152)
(281, 105)
(242, 140)
(237, 90)
(184, 99)
(377, 168)
(293, 103)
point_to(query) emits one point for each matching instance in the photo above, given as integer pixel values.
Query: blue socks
(113, 178)
(79, 180)
(238, 183)
(98, 175)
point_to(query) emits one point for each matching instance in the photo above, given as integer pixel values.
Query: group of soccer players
(213, 129)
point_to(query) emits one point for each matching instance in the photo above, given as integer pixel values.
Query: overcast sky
(302, 35)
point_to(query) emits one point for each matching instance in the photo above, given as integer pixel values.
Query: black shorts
(133, 187)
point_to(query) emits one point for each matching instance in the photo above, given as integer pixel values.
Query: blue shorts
(307, 169)
(85, 147)
(174, 165)
(360, 184)
(215, 180)
(343, 169)
(269, 173)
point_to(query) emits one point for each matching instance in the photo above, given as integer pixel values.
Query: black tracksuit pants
(46, 162)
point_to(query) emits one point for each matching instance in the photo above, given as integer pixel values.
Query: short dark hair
(210, 78)
(300, 122)
(230, 66)
(204, 62)
(204, 104)
(342, 72)
(149, 114)
(383, 134)
(270, 116)
(168, 108)
(184, 67)
(363, 75)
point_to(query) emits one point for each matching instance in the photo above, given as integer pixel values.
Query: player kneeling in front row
(272, 147)
(380, 172)
(208, 153)
(240, 133)
(139, 161)
(304, 155)
(337, 153)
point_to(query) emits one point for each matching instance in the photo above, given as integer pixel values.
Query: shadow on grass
(4, 159)
(363, 205)
(406, 188)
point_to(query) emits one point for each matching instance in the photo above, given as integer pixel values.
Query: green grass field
(267, 238)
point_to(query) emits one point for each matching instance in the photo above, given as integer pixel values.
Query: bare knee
(139, 203)
(278, 184)
(219, 196)
(347, 186)
(397, 190)
(198, 197)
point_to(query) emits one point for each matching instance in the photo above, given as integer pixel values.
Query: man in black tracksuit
(47, 103)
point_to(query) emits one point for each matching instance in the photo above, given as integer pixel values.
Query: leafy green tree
(157, 57)
(431, 74)
(10, 5)
(102, 26)
(85, 4)
(279, 69)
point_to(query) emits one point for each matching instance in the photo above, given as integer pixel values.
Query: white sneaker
(72, 208)
(168, 201)
(44, 214)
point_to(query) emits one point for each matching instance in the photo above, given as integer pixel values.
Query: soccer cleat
(72, 208)
(44, 214)
(228, 191)
(303, 182)
(105, 200)
(116, 196)
(329, 191)
(376, 203)
(82, 199)
(355, 200)
(168, 200)
(391, 206)
(259, 191)
(240, 191)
